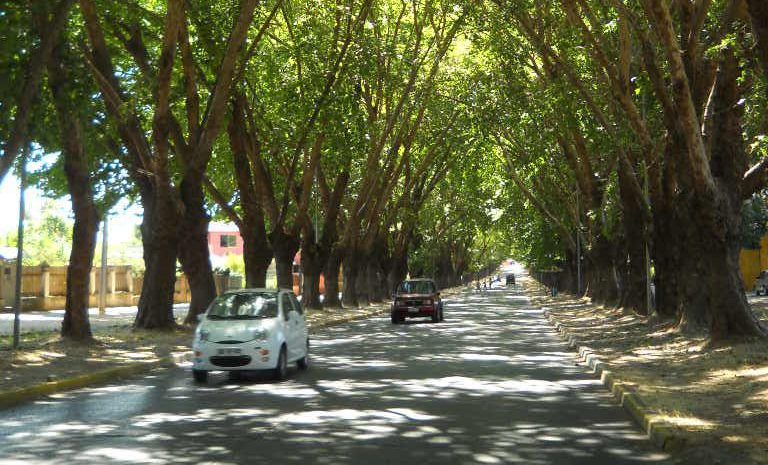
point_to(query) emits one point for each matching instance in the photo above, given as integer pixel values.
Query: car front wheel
(303, 363)
(200, 376)
(281, 370)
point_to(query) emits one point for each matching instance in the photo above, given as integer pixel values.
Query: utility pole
(578, 244)
(103, 274)
(20, 250)
(648, 302)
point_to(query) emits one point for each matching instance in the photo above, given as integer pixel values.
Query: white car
(251, 329)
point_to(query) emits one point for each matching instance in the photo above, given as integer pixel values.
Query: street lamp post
(578, 244)
(19, 251)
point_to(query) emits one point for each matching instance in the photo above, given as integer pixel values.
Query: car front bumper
(210, 356)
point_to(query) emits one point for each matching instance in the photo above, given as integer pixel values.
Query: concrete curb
(663, 434)
(13, 397)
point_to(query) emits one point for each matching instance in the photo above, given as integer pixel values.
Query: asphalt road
(492, 384)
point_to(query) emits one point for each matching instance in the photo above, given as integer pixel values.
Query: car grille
(231, 361)
(413, 303)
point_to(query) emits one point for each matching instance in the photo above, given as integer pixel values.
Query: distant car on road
(251, 329)
(417, 298)
(511, 279)
(761, 285)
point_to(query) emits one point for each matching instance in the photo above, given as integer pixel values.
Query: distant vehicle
(761, 285)
(510, 279)
(416, 298)
(251, 329)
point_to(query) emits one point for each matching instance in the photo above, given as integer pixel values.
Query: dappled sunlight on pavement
(491, 384)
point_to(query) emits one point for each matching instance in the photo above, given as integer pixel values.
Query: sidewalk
(711, 404)
(51, 320)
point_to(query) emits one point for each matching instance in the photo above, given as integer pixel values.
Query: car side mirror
(200, 317)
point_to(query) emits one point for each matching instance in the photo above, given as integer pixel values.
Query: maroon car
(417, 298)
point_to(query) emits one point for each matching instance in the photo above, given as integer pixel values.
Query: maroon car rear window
(416, 287)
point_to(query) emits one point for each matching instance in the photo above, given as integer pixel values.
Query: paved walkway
(51, 320)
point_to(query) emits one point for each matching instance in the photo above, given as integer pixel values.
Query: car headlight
(202, 335)
(260, 334)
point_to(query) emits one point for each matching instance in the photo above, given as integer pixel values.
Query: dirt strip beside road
(686, 392)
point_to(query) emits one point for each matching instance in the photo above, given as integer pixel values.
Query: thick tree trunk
(633, 289)
(159, 232)
(398, 270)
(76, 324)
(569, 281)
(193, 248)
(257, 256)
(376, 280)
(257, 253)
(331, 269)
(311, 268)
(712, 291)
(666, 258)
(362, 284)
(601, 274)
(374, 273)
(758, 11)
(284, 247)
(664, 252)
(713, 299)
(351, 271)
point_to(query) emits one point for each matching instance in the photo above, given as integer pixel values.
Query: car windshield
(415, 287)
(244, 306)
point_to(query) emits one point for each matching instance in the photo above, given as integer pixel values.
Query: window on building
(227, 240)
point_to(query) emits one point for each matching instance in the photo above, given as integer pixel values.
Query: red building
(224, 239)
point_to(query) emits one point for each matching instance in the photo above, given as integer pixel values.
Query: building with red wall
(224, 239)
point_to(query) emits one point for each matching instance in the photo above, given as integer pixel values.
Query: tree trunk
(666, 258)
(375, 278)
(712, 291)
(362, 284)
(193, 248)
(351, 271)
(76, 324)
(398, 270)
(257, 253)
(311, 267)
(634, 288)
(257, 257)
(331, 269)
(665, 252)
(758, 11)
(159, 232)
(600, 272)
(285, 247)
